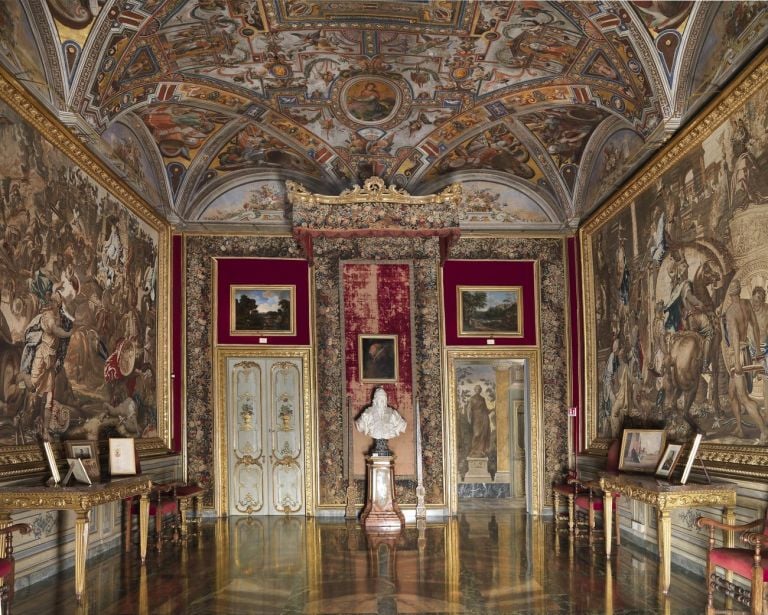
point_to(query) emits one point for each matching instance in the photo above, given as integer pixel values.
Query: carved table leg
(665, 549)
(5, 521)
(571, 514)
(729, 540)
(183, 509)
(81, 551)
(143, 526)
(607, 520)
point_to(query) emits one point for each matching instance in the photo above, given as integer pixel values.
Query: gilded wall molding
(714, 114)
(535, 469)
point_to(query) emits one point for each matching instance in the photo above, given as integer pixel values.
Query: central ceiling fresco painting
(539, 108)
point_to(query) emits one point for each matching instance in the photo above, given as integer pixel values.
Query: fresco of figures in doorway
(678, 277)
(78, 307)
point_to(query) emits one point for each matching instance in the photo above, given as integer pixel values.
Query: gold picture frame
(669, 460)
(122, 457)
(246, 316)
(641, 230)
(489, 311)
(88, 452)
(377, 357)
(641, 449)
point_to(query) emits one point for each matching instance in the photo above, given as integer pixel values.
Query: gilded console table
(664, 497)
(80, 499)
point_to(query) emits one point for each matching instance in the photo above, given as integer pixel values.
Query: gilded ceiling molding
(374, 190)
(40, 23)
(13, 93)
(374, 210)
(695, 35)
(714, 114)
(644, 45)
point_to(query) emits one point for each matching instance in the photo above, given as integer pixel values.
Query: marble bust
(380, 421)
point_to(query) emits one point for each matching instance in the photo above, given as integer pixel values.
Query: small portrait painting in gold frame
(490, 311)
(669, 460)
(377, 358)
(262, 309)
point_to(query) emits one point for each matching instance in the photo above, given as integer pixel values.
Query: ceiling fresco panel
(20, 51)
(412, 91)
(736, 30)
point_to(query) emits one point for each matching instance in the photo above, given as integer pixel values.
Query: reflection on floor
(480, 562)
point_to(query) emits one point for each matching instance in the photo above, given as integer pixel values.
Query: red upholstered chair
(589, 499)
(162, 503)
(7, 564)
(567, 490)
(747, 562)
(184, 495)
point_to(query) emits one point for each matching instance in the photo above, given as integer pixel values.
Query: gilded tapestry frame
(737, 460)
(309, 429)
(535, 494)
(20, 460)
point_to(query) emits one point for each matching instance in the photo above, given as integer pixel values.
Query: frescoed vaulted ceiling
(196, 101)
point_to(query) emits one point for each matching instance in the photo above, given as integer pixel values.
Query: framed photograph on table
(88, 451)
(122, 457)
(81, 449)
(691, 458)
(77, 469)
(51, 459)
(641, 449)
(489, 311)
(669, 460)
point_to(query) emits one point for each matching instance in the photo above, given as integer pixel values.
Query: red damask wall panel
(490, 273)
(377, 300)
(262, 271)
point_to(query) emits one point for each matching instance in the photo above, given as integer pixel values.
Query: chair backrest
(612, 459)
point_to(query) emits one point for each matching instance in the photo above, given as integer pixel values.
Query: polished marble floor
(478, 563)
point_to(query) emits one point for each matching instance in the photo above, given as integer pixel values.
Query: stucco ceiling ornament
(373, 190)
(374, 210)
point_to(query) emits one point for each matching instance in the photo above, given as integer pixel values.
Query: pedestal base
(381, 512)
(477, 471)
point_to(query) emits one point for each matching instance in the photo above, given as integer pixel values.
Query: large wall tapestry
(81, 305)
(675, 294)
(553, 337)
(377, 311)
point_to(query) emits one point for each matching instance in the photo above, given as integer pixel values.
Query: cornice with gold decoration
(374, 190)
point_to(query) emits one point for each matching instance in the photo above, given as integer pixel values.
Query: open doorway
(494, 410)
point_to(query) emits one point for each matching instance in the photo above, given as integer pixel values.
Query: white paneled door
(265, 424)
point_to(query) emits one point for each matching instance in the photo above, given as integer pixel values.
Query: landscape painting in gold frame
(262, 309)
(687, 230)
(489, 311)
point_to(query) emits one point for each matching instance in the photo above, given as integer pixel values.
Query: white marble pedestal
(381, 512)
